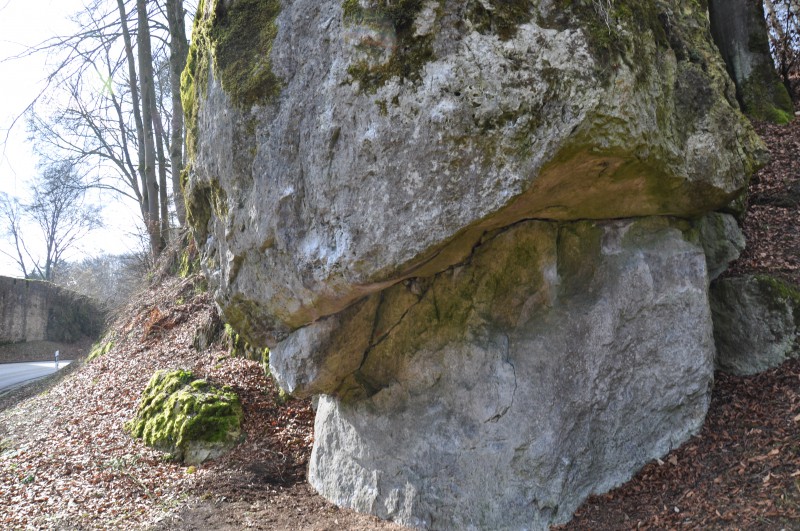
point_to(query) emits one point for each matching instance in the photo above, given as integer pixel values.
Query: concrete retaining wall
(32, 310)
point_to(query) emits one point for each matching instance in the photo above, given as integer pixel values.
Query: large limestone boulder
(473, 227)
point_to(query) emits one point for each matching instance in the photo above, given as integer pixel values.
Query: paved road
(15, 374)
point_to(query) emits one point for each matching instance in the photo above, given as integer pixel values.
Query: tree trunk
(740, 31)
(179, 50)
(163, 198)
(135, 103)
(148, 107)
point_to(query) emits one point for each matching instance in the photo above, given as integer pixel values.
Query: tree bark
(740, 31)
(163, 198)
(147, 84)
(179, 50)
(135, 103)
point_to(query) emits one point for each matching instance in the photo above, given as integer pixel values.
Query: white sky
(25, 23)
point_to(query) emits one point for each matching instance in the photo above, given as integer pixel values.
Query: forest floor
(67, 463)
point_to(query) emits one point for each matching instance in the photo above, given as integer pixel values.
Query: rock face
(409, 202)
(756, 323)
(536, 374)
(722, 240)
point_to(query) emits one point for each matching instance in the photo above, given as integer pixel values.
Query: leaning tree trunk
(740, 31)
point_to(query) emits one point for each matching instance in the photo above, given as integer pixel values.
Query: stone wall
(34, 311)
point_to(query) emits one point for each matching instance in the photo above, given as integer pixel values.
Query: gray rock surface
(756, 323)
(723, 241)
(342, 186)
(509, 402)
(409, 203)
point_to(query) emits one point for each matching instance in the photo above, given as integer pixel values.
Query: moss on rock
(764, 97)
(237, 36)
(99, 350)
(202, 200)
(620, 30)
(186, 417)
(242, 35)
(780, 292)
(238, 347)
(409, 51)
(410, 48)
(499, 17)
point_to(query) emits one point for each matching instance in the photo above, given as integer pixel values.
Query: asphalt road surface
(16, 374)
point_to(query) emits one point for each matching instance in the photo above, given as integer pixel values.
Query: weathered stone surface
(405, 201)
(756, 323)
(32, 310)
(496, 402)
(722, 240)
(362, 172)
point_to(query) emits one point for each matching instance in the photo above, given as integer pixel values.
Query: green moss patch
(186, 417)
(764, 97)
(238, 347)
(202, 200)
(243, 35)
(617, 31)
(780, 292)
(238, 37)
(99, 350)
(499, 17)
(411, 51)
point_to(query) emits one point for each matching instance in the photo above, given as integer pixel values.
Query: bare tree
(58, 215)
(130, 130)
(783, 21)
(109, 279)
(11, 219)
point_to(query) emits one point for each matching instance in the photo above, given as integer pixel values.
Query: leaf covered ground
(67, 463)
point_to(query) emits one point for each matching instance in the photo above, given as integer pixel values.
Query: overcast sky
(25, 23)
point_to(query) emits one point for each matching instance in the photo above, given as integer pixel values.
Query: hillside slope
(67, 463)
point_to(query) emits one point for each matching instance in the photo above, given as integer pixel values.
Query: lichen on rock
(349, 190)
(188, 418)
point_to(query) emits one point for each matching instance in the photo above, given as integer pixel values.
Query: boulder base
(562, 384)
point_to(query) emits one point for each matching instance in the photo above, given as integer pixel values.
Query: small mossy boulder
(756, 323)
(189, 418)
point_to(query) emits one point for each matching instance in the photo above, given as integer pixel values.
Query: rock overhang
(487, 131)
